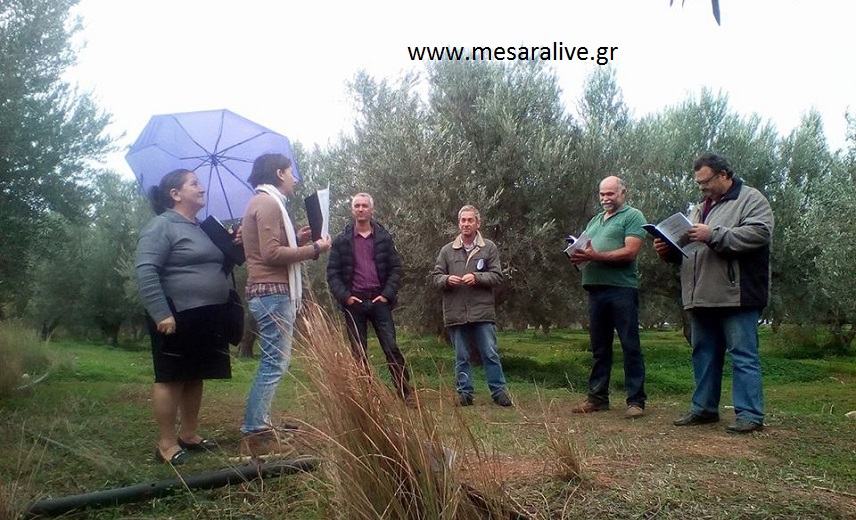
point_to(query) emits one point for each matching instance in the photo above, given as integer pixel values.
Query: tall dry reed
(383, 459)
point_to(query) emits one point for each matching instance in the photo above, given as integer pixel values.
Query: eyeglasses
(707, 181)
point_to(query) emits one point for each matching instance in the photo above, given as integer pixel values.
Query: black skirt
(197, 350)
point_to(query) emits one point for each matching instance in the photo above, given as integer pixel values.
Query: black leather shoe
(203, 445)
(178, 458)
(744, 426)
(691, 419)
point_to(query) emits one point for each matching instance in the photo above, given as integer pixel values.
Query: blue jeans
(274, 314)
(483, 335)
(715, 332)
(614, 309)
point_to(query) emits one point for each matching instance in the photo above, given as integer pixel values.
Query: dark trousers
(358, 316)
(615, 309)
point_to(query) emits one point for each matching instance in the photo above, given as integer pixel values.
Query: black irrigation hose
(208, 480)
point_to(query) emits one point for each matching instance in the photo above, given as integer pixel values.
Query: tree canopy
(499, 137)
(49, 131)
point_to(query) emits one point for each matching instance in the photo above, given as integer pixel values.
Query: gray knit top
(176, 260)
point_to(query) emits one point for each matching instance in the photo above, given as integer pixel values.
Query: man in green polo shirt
(611, 279)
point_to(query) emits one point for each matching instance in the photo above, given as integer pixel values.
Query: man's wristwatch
(316, 250)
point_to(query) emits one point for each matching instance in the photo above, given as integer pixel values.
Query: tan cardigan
(265, 244)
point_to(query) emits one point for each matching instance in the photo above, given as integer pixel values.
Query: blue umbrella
(219, 145)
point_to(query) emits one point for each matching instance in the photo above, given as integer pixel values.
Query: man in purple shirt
(364, 273)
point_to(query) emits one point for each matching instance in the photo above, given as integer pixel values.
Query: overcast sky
(286, 64)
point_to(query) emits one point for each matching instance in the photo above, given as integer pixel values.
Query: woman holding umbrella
(184, 289)
(274, 252)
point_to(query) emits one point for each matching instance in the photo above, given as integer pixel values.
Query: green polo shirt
(608, 235)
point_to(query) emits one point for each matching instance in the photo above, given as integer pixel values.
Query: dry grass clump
(11, 504)
(383, 459)
(22, 356)
(18, 489)
(567, 455)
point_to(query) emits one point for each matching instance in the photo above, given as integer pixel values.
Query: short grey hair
(473, 209)
(622, 186)
(362, 194)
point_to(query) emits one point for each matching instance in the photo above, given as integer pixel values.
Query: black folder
(223, 240)
(314, 215)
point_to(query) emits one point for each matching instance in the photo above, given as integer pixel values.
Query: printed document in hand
(674, 231)
(578, 244)
(318, 213)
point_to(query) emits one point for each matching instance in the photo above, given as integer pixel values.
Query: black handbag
(234, 315)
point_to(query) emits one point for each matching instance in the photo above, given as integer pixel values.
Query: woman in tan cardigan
(274, 252)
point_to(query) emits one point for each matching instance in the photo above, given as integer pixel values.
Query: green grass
(96, 414)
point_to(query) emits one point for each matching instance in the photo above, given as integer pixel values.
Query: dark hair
(715, 162)
(265, 167)
(159, 196)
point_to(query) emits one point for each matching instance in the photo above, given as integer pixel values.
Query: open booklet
(674, 231)
(577, 244)
(318, 213)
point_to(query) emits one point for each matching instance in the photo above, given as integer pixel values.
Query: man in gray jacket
(725, 284)
(467, 270)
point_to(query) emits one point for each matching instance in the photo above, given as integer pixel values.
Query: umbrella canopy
(219, 145)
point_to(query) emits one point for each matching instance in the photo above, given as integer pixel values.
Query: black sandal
(178, 458)
(203, 445)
